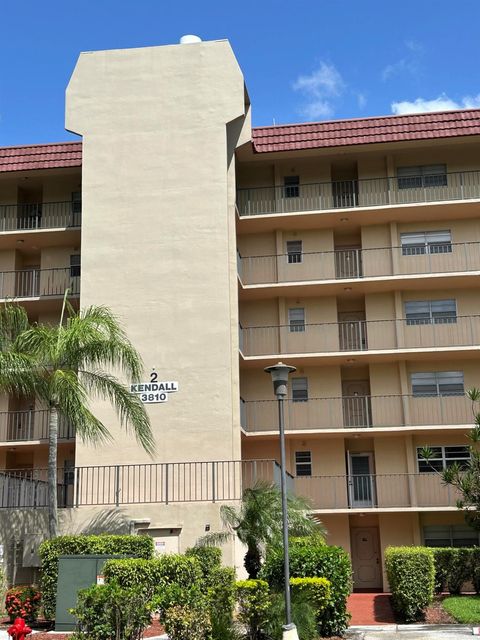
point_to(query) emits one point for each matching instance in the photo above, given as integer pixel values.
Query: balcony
(357, 264)
(357, 194)
(27, 426)
(357, 412)
(382, 492)
(360, 336)
(162, 483)
(37, 283)
(45, 215)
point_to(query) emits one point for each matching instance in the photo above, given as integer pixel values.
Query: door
(27, 282)
(361, 481)
(365, 543)
(357, 408)
(348, 262)
(352, 330)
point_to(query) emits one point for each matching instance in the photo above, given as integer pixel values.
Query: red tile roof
(339, 133)
(41, 156)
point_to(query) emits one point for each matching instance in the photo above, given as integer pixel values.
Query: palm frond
(214, 539)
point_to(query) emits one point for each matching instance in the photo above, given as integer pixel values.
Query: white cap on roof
(189, 39)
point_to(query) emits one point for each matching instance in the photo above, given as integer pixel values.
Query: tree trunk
(52, 473)
(252, 561)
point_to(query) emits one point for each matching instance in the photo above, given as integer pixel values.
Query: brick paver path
(370, 608)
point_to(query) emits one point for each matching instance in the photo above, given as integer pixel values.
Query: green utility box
(75, 573)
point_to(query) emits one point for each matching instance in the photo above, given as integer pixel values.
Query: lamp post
(280, 373)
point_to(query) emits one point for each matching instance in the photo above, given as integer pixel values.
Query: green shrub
(476, 569)
(442, 557)
(154, 574)
(411, 575)
(316, 561)
(221, 599)
(453, 567)
(253, 606)
(316, 591)
(108, 612)
(303, 616)
(23, 602)
(137, 546)
(187, 623)
(209, 558)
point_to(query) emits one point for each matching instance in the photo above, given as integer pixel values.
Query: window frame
(431, 318)
(436, 381)
(449, 535)
(75, 267)
(305, 464)
(426, 244)
(294, 257)
(296, 325)
(291, 186)
(444, 459)
(422, 176)
(295, 382)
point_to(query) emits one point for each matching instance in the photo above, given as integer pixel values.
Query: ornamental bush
(476, 569)
(316, 591)
(187, 623)
(221, 598)
(50, 550)
(23, 602)
(209, 558)
(411, 575)
(312, 561)
(254, 601)
(108, 612)
(303, 616)
(453, 567)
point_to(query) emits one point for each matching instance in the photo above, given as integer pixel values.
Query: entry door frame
(377, 562)
(366, 484)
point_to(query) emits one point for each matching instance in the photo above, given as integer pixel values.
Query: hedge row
(50, 550)
(411, 576)
(456, 566)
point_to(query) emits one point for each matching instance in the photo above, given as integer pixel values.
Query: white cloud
(409, 63)
(320, 88)
(361, 100)
(442, 103)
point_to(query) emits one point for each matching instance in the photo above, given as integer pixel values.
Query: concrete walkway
(410, 632)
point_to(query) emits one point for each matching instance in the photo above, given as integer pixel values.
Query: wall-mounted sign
(155, 390)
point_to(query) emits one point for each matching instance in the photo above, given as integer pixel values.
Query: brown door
(357, 410)
(367, 568)
(352, 331)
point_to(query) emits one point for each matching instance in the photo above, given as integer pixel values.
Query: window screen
(422, 242)
(437, 383)
(442, 457)
(294, 251)
(456, 535)
(296, 320)
(415, 177)
(75, 266)
(430, 311)
(299, 389)
(303, 463)
(291, 186)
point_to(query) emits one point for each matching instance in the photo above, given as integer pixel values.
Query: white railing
(357, 412)
(346, 194)
(358, 263)
(34, 283)
(392, 491)
(44, 215)
(360, 335)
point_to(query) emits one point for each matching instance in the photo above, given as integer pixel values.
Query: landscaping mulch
(155, 629)
(436, 614)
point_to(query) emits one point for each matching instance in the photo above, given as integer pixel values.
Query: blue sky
(302, 59)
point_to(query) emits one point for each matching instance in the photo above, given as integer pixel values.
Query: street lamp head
(280, 373)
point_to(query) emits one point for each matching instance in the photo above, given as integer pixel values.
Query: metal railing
(34, 283)
(358, 263)
(389, 491)
(21, 426)
(212, 481)
(360, 335)
(368, 192)
(44, 215)
(357, 412)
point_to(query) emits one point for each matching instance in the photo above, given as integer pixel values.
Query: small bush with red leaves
(23, 602)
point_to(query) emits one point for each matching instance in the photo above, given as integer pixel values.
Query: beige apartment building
(350, 249)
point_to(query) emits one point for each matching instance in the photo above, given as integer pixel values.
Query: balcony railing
(22, 426)
(45, 215)
(360, 335)
(357, 412)
(34, 283)
(212, 481)
(370, 192)
(358, 263)
(392, 491)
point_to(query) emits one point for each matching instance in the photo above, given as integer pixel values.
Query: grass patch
(465, 609)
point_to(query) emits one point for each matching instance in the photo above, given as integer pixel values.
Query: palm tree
(257, 523)
(64, 366)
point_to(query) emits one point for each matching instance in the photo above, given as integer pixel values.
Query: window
(419, 243)
(431, 312)
(299, 389)
(75, 266)
(294, 251)
(291, 186)
(455, 535)
(76, 202)
(303, 463)
(437, 383)
(427, 175)
(296, 320)
(442, 457)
